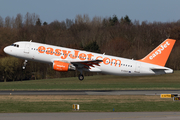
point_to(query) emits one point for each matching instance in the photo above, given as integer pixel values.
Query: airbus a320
(66, 59)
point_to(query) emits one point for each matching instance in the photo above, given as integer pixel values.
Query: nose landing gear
(25, 63)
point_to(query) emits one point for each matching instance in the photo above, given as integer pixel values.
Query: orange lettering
(89, 56)
(82, 56)
(75, 54)
(66, 53)
(57, 52)
(49, 51)
(116, 61)
(106, 61)
(41, 49)
(99, 57)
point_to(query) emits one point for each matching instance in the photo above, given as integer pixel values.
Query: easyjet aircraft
(66, 59)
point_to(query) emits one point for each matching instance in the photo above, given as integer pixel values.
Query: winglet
(160, 54)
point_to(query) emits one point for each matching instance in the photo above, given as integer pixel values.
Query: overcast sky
(50, 10)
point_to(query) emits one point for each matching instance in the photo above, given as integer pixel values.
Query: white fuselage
(110, 65)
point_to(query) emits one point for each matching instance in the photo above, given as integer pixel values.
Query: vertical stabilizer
(160, 54)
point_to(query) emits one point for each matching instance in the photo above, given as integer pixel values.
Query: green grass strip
(98, 82)
(96, 106)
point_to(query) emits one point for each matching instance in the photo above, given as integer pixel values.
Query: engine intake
(62, 66)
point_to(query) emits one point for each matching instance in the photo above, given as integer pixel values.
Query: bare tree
(13, 23)
(8, 22)
(18, 20)
(34, 18)
(69, 23)
(28, 19)
(82, 19)
(134, 40)
(97, 21)
(1, 22)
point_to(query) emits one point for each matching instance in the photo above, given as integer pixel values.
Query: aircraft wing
(86, 64)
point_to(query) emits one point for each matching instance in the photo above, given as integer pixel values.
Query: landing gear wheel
(81, 77)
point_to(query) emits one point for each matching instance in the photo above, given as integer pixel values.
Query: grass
(91, 103)
(99, 82)
(54, 103)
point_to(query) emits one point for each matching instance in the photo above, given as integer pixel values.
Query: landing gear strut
(81, 77)
(25, 63)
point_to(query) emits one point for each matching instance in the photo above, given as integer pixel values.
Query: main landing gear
(81, 77)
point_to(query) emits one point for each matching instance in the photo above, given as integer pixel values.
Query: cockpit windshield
(15, 45)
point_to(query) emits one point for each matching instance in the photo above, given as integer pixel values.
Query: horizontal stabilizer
(161, 70)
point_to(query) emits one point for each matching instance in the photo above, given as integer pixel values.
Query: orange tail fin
(160, 54)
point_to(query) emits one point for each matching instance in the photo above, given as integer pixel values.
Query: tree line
(112, 35)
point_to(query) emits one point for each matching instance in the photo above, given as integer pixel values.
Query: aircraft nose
(7, 50)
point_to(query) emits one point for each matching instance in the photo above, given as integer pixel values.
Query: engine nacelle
(62, 66)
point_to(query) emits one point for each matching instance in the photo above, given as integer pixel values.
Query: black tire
(81, 77)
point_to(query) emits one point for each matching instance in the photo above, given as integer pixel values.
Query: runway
(88, 92)
(92, 116)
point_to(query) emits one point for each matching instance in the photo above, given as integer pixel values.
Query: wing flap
(86, 64)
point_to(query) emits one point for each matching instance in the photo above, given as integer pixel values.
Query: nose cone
(7, 50)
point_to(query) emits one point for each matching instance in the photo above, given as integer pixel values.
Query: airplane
(66, 59)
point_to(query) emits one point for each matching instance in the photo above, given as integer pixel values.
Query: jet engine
(62, 66)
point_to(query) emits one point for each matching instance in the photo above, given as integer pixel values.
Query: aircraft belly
(116, 70)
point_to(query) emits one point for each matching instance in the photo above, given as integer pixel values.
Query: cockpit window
(15, 45)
